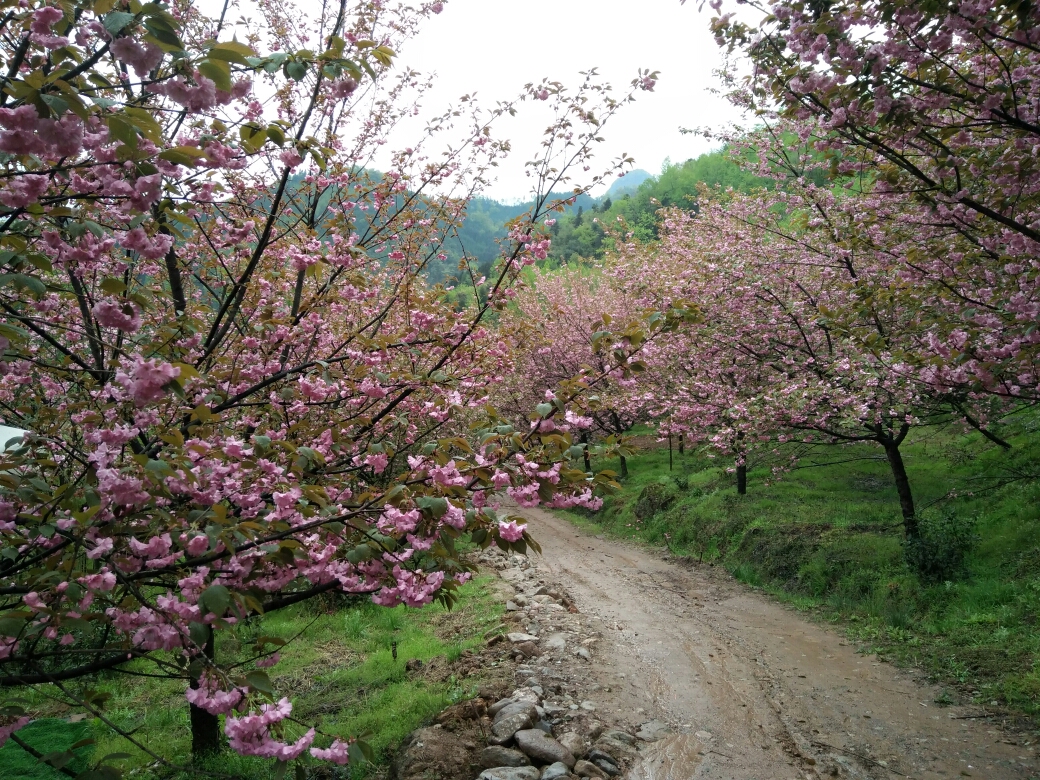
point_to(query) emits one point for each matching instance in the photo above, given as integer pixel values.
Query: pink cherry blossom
(111, 313)
(147, 379)
(511, 532)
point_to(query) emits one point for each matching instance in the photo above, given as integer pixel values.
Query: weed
(391, 619)
(748, 574)
(355, 625)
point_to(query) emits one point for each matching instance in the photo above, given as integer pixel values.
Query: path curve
(755, 691)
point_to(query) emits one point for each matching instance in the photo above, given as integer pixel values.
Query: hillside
(628, 184)
(827, 539)
(581, 235)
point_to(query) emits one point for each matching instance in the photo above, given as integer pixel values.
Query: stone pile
(525, 745)
(549, 727)
(545, 730)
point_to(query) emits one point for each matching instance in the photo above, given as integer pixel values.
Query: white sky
(493, 48)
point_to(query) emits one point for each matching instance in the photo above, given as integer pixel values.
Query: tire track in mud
(753, 690)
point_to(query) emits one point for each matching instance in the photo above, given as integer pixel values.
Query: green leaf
(103, 102)
(360, 751)
(55, 104)
(435, 505)
(215, 599)
(296, 70)
(11, 627)
(145, 122)
(115, 757)
(121, 129)
(218, 71)
(544, 409)
(117, 20)
(24, 281)
(274, 62)
(188, 156)
(113, 286)
(276, 134)
(333, 70)
(261, 682)
(40, 261)
(363, 552)
(231, 51)
(159, 468)
(163, 35)
(59, 758)
(199, 633)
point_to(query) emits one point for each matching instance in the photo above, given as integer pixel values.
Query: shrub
(944, 542)
(653, 499)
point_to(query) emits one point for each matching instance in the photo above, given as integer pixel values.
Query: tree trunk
(906, 498)
(669, 452)
(741, 468)
(585, 451)
(682, 444)
(624, 466)
(205, 728)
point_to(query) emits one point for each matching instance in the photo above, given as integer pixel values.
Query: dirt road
(753, 690)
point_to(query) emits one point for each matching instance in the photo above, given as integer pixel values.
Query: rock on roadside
(539, 746)
(510, 773)
(653, 730)
(494, 756)
(588, 769)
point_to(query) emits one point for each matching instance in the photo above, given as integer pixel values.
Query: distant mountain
(629, 183)
(484, 226)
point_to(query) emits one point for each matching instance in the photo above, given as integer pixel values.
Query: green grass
(47, 735)
(829, 539)
(340, 675)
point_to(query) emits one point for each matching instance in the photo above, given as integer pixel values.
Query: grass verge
(340, 673)
(828, 538)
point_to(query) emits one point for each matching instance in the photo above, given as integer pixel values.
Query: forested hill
(637, 196)
(581, 234)
(628, 184)
(484, 225)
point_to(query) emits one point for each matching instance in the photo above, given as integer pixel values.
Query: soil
(752, 690)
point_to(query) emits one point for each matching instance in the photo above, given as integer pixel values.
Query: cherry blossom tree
(790, 285)
(239, 390)
(560, 326)
(936, 104)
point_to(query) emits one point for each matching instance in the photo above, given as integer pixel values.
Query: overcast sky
(493, 48)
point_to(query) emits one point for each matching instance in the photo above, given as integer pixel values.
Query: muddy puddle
(673, 758)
